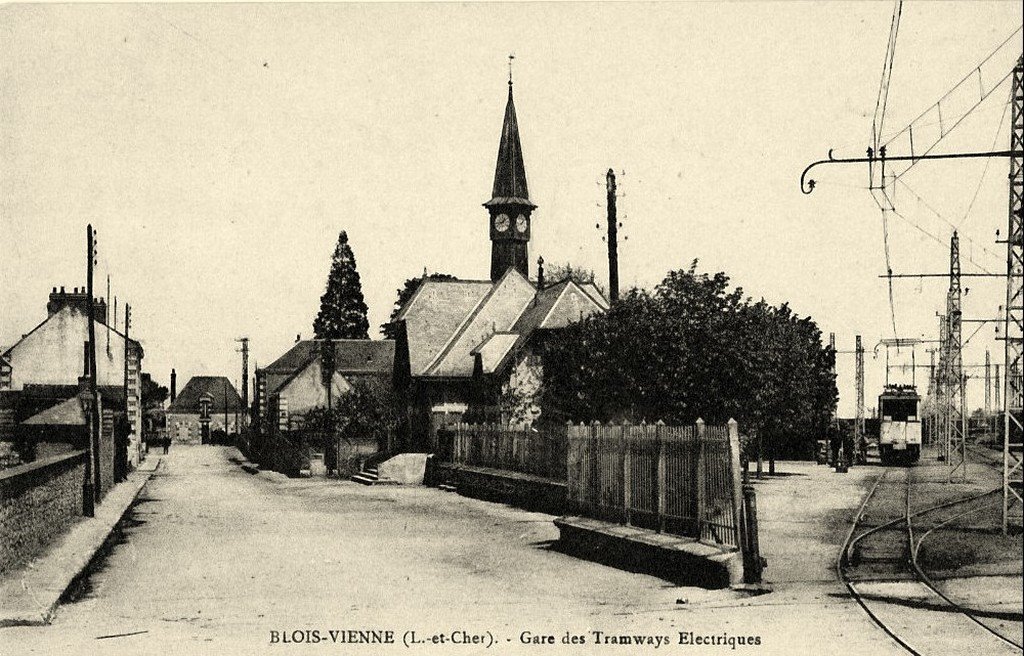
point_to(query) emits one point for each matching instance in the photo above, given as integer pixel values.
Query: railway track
(879, 566)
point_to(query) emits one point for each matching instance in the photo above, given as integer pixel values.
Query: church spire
(510, 172)
(510, 208)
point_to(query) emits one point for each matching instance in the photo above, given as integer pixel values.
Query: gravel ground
(214, 561)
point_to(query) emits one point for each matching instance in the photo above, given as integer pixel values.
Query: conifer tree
(342, 308)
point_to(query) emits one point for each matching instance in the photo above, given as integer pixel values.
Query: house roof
(67, 309)
(66, 413)
(351, 356)
(219, 387)
(450, 323)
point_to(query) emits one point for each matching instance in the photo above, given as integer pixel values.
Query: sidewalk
(30, 595)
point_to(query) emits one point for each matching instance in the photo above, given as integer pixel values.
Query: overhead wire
(940, 216)
(988, 162)
(877, 125)
(937, 105)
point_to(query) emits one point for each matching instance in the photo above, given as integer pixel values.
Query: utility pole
(956, 415)
(859, 429)
(988, 384)
(94, 405)
(106, 315)
(942, 390)
(127, 349)
(613, 240)
(933, 391)
(1013, 323)
(245, 380)
(997, 402)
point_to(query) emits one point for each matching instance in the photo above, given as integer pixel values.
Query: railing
(526, 451)
(682, 480)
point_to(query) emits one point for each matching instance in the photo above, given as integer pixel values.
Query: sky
(219, 149)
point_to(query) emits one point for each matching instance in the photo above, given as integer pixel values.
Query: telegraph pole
(613, 240)
(1013, 323)
(956, 415)
(94, 405)
(988, 384)
(245, 379)
(859, 429)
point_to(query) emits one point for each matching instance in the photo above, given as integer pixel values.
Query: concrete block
(405, 468)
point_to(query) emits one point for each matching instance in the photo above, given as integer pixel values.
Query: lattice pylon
(1013, 333)
(859, 422)
(940, 438)
(956, 411)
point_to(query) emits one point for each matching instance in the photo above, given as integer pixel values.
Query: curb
(75, 566)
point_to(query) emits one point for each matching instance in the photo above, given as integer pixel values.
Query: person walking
(167, 443)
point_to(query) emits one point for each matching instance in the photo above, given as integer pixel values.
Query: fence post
(737, 491)
(752, 563)
(571, 475)
(627, 478)
(701, 475)
(594, 469)
(660, 477)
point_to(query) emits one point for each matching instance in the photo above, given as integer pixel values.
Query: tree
(389, 329)
(561, 270)
(153, 393)
(342, 308)
(693, 348)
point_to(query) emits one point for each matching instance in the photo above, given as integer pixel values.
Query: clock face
(521, 223)
(501, 222)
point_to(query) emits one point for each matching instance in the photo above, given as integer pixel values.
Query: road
(214, 560)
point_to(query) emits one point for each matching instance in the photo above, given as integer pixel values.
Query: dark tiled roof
(294, 358)
(187, 401)
(351, 356)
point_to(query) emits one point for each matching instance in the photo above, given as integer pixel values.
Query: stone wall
(38, 501)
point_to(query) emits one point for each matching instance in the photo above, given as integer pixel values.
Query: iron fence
(682, 480)
(523, 450)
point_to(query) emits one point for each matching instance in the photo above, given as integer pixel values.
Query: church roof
(449, 323)
(510, 173)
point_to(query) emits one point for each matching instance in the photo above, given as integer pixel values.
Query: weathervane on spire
(511, 56)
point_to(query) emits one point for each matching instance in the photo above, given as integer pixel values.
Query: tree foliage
(561, 270)
(367, 410)
(342, 307)
(389, 329)
(693, 348)
(153, 393)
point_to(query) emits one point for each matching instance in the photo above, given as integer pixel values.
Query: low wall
(38, 501)
(521, 490)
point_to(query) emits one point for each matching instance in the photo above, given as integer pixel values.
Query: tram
(899, 431)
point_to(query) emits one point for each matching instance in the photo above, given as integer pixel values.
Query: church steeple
(509, 206)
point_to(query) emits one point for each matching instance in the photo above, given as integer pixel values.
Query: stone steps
(371, 476)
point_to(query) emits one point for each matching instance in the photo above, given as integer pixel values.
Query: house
(295, 383)
(206, 404)
(46, 366)
(474, 344)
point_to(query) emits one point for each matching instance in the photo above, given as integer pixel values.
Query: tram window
(899, 409)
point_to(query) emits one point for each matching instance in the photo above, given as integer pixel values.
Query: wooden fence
(525, 450)
(682, 480)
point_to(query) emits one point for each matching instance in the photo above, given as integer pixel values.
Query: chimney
(78, 299)
(174, 385)
(540, 273)
(298, 337)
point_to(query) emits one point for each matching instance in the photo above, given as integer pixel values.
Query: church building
(471, 348)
